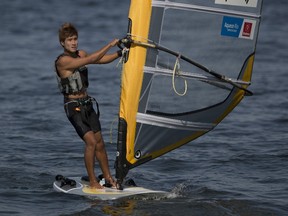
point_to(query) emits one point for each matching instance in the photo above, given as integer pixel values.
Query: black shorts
(82, 115)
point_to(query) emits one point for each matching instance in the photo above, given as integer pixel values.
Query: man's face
(71, 44)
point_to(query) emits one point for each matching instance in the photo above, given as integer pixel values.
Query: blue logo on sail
(231, 26)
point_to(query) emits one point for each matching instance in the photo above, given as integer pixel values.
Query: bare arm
(108, 58)
(68, 63)
(102, 57)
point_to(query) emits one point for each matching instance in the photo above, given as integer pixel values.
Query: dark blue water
(240, 168)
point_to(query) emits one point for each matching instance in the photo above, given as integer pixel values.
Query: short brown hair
(67, 30)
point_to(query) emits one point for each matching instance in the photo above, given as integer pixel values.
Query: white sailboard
(80, 186)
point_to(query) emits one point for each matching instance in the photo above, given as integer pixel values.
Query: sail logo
(244, 3)
(247, 29)
(238, 27)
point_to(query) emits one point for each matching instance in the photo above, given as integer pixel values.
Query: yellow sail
(132, 75)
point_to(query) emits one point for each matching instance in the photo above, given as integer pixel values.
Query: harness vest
(77, 82)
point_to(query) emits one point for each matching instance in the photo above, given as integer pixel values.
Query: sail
(188, 66)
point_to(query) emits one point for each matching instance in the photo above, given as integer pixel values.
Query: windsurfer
(72, 76)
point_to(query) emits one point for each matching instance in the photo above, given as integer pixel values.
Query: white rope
(140, 38)
(176, 71)
(111, 129)
(122, 59)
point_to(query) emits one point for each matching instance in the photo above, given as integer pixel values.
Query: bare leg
(89, 157)
(101, 156)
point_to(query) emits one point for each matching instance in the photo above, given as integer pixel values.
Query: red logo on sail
(247, 29)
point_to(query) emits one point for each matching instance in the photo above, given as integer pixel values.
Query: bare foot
(95, 185)
(111, 181)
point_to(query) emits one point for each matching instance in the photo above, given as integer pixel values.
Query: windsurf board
(80, 186)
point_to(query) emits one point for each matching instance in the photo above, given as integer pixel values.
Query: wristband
(119, 53)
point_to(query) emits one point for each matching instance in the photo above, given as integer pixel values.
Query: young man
(72, 75)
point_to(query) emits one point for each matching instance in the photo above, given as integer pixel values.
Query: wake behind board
(79, 186)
